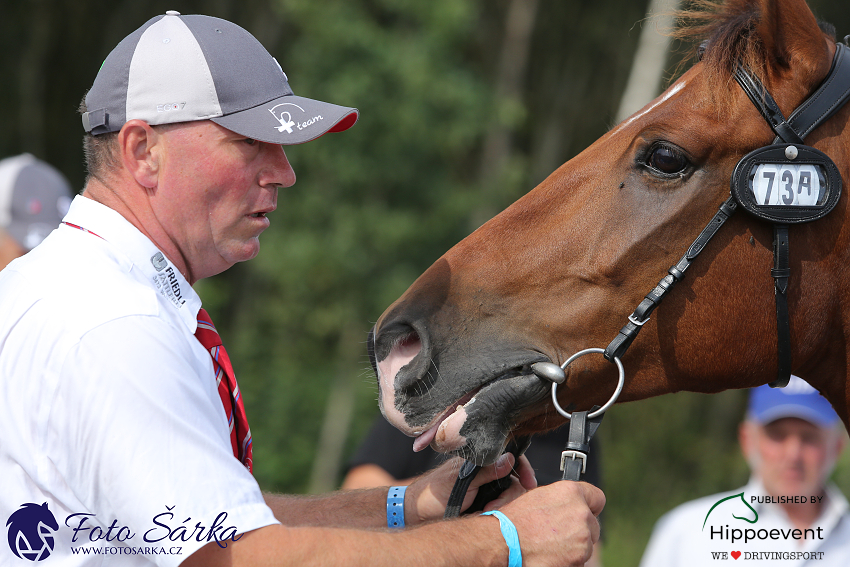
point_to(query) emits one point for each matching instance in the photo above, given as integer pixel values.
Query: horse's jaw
(466, 409)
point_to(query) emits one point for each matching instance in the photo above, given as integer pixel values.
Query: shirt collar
(136, 251)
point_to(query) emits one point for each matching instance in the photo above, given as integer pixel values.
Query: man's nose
(278, 171)
(793, 446)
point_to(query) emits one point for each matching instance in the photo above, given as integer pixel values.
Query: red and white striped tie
(228, 390)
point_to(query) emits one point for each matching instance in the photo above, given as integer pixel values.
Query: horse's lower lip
(428, 435)
(424, 439)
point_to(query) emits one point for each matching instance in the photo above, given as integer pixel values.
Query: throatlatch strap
(781, 272)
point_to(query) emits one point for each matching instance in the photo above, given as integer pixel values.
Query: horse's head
(562, 268)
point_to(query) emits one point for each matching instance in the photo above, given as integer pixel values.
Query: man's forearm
(346, 509)
(556, 525)
(475, 542)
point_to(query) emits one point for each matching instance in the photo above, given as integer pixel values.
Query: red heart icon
(736, 554)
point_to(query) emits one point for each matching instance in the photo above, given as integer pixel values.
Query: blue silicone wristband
(395, 506)
(511, 538)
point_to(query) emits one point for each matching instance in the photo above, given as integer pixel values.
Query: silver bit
(549, 371)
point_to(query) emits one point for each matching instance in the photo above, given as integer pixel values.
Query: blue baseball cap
(797, 399)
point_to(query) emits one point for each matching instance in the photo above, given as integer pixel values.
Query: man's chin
(242, 251)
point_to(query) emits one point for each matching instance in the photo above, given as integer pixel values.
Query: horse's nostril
(395, 348)
(409, 346)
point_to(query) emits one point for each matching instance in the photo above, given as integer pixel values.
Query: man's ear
(749, 434)
(745, 438)
(139, 144)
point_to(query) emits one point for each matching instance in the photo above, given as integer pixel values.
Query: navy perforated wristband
(511, 538)
(395, 506)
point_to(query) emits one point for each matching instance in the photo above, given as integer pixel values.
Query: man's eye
(250, 141)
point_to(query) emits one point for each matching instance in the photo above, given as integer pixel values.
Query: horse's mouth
(479, 424)
(465, 404)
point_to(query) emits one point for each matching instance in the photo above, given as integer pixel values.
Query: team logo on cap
(284, 117)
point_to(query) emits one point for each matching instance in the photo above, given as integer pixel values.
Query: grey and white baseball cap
(179, 68)
(34, 198)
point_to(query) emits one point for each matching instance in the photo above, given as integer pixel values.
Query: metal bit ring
(608, 404)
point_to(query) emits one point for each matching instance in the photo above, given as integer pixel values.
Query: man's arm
(557, 525)
(425, 500)
(370, 475)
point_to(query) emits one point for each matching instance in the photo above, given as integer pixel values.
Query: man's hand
(428, 495)
(557, 523)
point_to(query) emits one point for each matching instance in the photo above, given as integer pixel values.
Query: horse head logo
(31, 531)
(284, 117)
(734, 496)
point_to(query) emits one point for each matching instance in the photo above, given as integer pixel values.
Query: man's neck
(137, 213)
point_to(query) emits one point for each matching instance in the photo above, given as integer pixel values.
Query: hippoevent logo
(740, 508)
(733, 497)
(31, 531)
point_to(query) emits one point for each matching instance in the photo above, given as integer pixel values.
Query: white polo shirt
(109, 411)
(700, 533)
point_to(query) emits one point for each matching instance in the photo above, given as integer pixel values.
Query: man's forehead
(792, 425)
(195, 130)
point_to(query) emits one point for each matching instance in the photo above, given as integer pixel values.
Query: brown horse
(562, 268)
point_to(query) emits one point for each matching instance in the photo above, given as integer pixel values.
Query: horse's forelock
(735, 31)
(730, 29)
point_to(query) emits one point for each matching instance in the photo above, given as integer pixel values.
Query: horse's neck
(822, 322)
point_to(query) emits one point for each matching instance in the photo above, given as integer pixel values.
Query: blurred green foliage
(375, 206)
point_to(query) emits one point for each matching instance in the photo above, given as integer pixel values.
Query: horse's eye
(667, 160)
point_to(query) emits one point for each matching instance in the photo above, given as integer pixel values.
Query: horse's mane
(728, 32)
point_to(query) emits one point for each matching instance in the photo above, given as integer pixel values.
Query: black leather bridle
(827, 99)
(820, 106)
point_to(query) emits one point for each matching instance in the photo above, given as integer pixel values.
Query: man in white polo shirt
(124, 436)
(788, 514)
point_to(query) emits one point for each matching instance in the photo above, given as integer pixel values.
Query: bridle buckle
(574, 455)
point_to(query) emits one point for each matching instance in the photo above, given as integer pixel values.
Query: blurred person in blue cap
(789, 513)
(34, 196)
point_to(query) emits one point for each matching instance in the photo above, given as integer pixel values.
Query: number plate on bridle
(786, 183)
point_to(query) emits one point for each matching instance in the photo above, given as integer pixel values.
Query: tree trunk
(339, 410)
(650, 58)
(510, 79)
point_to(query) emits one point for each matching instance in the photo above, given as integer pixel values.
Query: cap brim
(289, 120)
(796, 410)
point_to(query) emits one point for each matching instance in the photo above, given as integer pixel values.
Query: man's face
(791, 456)
(214, 190)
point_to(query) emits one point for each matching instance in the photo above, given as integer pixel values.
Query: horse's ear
(792, 39)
